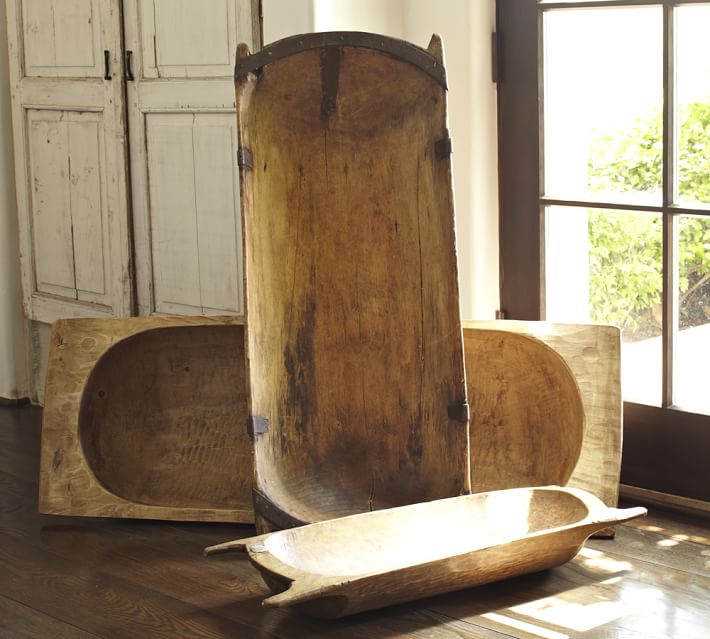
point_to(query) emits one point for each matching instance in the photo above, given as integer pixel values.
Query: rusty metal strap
(459, 412)
(270, 511)
(399, 49)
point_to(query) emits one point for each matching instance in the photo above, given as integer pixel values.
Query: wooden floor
(72, 577)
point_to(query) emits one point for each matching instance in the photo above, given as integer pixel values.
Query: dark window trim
(665, 449)
(518, 160)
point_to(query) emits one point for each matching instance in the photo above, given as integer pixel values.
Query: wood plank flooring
(89, 578)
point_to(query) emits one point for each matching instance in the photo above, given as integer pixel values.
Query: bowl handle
(238, 545)
(613, 516)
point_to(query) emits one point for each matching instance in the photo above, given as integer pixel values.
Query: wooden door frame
(665, 449)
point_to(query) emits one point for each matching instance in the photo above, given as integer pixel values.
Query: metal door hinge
(257, 425)
(244, 158)
(272, 513)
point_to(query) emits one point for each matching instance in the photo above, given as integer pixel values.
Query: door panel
(62, 38)
(87, 176)
(187, 225)
(219, 223)
(188, 39)
(195, 228)
(70, 157)
(173, 215)
(67, 173)
(51, 208)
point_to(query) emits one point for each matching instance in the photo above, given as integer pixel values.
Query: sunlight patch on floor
(580, 617)
(667, 543)
(525, 626)
(597, 560)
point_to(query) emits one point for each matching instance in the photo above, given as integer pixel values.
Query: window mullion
(670, 224)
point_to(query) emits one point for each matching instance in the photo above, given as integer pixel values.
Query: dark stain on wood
(301, 400)
(330, 77)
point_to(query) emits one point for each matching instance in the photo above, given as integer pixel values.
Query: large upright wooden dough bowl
(355, 358)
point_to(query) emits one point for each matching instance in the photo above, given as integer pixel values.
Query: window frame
(666, 449)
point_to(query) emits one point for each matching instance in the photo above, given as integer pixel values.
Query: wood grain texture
(527, 417)
(195, 231)
(593, 355)
(70, 158)
(185, 193)
(348, 565)
(354, 342)
(145, 417)
(116, 579)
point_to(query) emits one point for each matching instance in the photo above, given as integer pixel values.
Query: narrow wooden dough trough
(357, 395)
(348, 565)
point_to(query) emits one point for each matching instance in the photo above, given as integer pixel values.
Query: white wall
(13, 364)
(376, 16)
(466, 28)
(286, 17)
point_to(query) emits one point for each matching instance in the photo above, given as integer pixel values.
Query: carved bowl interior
(527, 417)
(163, 414)
(355, 350)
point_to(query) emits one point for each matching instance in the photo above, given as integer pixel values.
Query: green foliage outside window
(626, 249)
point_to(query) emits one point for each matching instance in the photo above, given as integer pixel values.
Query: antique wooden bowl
(525, 408)
(145, 417)
(340, 567)
(123, 453)
(355, 358)
(527, 416)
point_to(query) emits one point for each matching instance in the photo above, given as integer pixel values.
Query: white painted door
(70, 156)
(186, 219)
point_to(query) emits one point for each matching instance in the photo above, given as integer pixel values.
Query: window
(604, 118)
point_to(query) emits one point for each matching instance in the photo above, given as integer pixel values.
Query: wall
(13, 354)
(286, 17)
(359, 15)
(466, 28)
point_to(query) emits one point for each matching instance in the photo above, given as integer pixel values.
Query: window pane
(605, 266)
(693, 70)
(693, 352)
(603, 104)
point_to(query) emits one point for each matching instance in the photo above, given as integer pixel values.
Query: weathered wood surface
(145, 417)
(354, 338)
(183, 152)
(70, 157)
(121, 579)
(348, 565)
(593, 354)
(527, 417)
